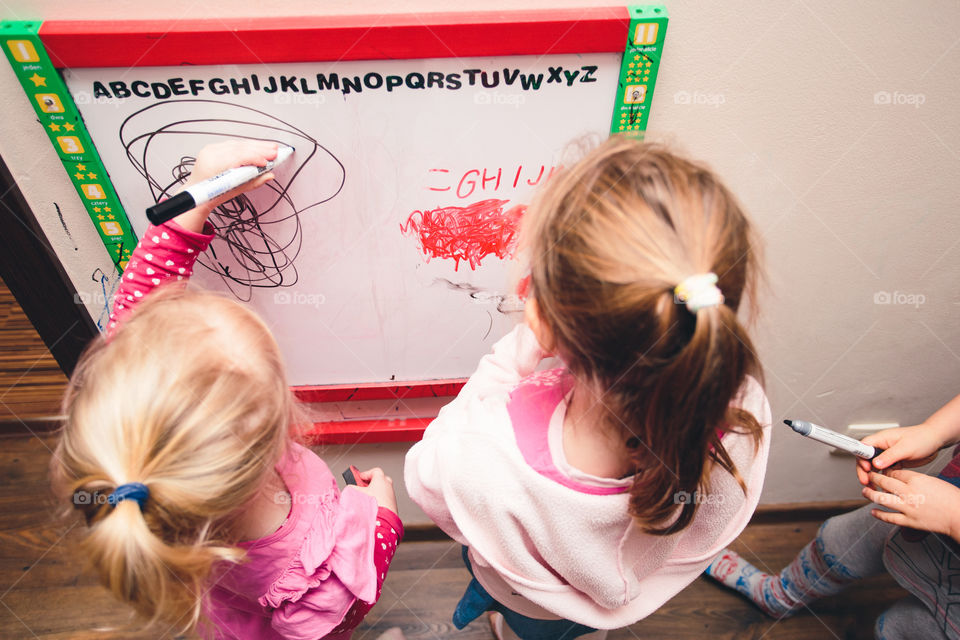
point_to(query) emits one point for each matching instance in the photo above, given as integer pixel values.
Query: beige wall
(853, 197)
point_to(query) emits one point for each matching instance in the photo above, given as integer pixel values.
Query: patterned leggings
(852, 546)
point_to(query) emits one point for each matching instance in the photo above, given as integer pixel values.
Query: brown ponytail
(609, 240)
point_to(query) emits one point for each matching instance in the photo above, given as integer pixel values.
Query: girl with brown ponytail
(588, 495)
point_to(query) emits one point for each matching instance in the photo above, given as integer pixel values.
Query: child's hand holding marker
(213, 160)
(916, 499)
(379, 485)
(905, 447)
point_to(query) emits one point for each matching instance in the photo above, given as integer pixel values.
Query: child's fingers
(888, 500)
(370, 474)
(890, 516)
(259, 153)
(903, 475)
(888, 483)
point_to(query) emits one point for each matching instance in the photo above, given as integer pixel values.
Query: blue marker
(834, 439)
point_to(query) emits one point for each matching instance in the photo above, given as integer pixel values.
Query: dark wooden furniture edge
(33, 273)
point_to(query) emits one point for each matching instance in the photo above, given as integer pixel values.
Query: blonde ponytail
(190, 399)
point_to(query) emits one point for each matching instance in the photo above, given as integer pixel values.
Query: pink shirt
(322, 570)
(306, 579)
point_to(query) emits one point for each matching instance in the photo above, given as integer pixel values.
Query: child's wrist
(195, 219)
(954, 531)
(944, 432)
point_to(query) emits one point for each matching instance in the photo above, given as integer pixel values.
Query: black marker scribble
(505, 303)
(255, 246)
(63, 223)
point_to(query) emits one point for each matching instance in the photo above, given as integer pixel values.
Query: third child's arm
(916, 500)
(916, 445)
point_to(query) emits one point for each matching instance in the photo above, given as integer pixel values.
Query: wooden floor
(46, 593)
(31, 383)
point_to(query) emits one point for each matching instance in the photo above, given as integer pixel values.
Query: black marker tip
(789, 423)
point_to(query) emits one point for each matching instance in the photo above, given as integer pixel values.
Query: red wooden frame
(367, 431)
(141, 43)
(136, 43)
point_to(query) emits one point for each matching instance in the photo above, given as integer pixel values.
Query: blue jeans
(476, 601)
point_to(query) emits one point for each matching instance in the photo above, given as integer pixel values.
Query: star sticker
(54, 127)
(649, 64)
(107, 209)
(78, 176)
(97, 209)
(38, 80)
(81, 167)
(68, 126)
(100, 217)
(636, 57)
(631, 65)
(92, 176)
(110, 216)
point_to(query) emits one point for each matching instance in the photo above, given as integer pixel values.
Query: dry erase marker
(834, 439)
(211, 188)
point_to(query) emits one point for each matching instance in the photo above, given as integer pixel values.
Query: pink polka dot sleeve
(165, 254)
(387, 535)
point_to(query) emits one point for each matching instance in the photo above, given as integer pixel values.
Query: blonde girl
(203, 514)
(588, 495)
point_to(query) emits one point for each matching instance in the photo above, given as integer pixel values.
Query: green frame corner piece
(638, 70)
(57, 113)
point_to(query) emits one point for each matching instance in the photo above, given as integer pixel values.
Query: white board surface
(332, 255)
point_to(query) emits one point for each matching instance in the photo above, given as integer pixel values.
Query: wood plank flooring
(31, 383)
(46, 593)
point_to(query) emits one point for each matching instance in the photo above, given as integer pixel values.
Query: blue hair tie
(130, 491)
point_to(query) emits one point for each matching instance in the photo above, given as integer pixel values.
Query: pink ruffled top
(321, 571)
(301, 580)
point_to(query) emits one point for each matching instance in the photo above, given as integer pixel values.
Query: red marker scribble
(468, 233)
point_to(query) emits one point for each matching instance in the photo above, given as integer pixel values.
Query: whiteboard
(384, 251)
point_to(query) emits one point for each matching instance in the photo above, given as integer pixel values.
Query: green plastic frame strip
(60, 119)
(638, 71)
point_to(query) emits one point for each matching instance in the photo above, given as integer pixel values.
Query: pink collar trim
(530, 406)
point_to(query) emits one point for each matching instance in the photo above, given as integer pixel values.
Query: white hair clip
(698, 292)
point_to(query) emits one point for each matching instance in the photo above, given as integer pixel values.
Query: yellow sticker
(70, 144)
(93, 191)
(646, 33)
(23, 51)
(49, 102)
(635, 93)
(111, 228)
